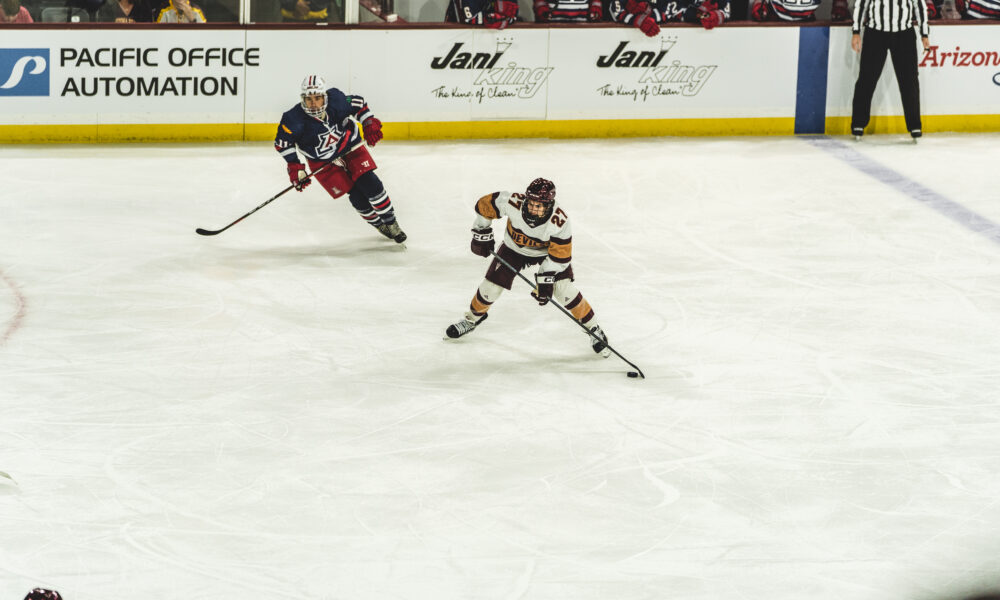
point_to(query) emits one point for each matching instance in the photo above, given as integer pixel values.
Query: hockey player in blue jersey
(324, 128)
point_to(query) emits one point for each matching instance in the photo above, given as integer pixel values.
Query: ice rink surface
(273, 413)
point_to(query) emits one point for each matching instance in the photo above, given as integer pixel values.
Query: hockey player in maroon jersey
(495, 14)
(568, 11)
(538, 233)
(324, 128)
(648, 16)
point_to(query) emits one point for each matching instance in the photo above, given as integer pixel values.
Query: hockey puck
(633, 374)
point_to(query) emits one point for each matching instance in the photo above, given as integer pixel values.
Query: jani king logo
(495, 79)
(655, 77)
(24, 72)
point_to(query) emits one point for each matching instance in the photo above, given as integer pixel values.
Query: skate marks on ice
(14, 307)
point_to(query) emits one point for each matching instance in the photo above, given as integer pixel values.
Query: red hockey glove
(373, 130)
(482, 241)
(839, 11)
(710, 15)
(297, 175)
(932, 11)
(647, 25)
(497, 21)
(506, 8)
(596, 11)
(960, 7)
(636, 7)
(542, 11)
(760, 10)
(544, 284)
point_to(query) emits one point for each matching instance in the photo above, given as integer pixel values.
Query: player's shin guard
(486, 295)
(582, 312)
(382, 206)
(361, 204)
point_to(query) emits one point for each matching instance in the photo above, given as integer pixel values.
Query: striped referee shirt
(891, 15)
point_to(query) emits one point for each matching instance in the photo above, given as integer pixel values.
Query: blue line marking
(965, 217)
(810, 87)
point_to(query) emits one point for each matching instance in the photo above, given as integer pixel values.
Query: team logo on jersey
(24, 72)
(331, 142)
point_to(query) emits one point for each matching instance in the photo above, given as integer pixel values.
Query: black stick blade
(201, 231)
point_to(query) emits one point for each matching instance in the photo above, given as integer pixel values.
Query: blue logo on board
(24, 72)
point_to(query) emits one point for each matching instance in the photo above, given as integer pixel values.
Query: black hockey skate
(599, 341)
(392, 231)
(464, 326)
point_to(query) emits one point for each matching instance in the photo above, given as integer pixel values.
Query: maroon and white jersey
(552, 239)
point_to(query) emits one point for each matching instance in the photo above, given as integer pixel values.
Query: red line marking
(22, 309)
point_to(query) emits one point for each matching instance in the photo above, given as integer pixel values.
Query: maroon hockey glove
(710, 15)
(596, 11)
(544, 284)
(647, 25)
(960, 6)
(542, 11)
(760, 10)
(932, 11)
(839, 12)
(373, 130)
(506, 8)
(496, 21)
(482, 241)
(297, 175)
(636, 7)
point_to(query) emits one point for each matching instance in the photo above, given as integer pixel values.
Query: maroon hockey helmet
(542, 191)
(43, 594)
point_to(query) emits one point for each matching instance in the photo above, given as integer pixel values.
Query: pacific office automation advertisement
(148, 76)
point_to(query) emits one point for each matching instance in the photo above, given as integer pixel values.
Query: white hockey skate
(464, 326)
(600, 342)
(392, 231)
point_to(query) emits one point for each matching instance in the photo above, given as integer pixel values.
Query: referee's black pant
(903, 47)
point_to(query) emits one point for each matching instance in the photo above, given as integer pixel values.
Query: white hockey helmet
(313, 85)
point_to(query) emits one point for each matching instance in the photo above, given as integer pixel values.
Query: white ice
(273, 413)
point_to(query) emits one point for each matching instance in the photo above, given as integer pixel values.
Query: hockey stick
(570, 315)
(201, 231)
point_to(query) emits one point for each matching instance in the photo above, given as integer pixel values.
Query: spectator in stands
(125, 11)
(11, 11)
(305, 11)
(978, 9)
(495, 14)
(568, 11)
(648, 16)
(180, 11)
